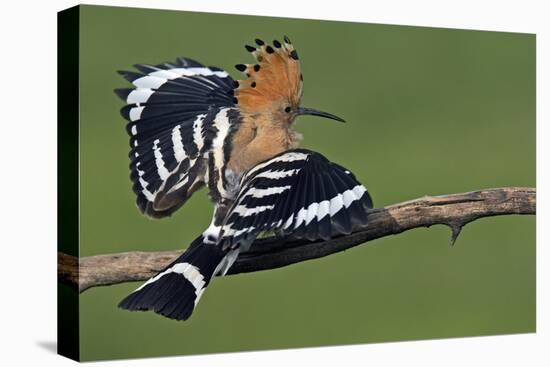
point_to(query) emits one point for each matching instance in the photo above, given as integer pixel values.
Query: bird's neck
(257, 140)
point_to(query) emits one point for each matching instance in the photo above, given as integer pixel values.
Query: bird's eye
(287, 109)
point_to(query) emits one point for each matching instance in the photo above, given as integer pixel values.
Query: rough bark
(455, 211)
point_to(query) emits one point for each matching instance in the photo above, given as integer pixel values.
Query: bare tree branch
(454, 210)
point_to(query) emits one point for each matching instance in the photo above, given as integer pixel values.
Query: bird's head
(274, 85)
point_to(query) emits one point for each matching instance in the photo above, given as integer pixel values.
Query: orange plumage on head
(275, 81)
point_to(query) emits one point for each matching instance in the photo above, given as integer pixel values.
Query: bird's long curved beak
(311, 111)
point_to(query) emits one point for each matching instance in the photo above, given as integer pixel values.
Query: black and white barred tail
(175, 291)
(298, 193)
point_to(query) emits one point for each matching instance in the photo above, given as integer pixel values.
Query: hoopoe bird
(192, 126)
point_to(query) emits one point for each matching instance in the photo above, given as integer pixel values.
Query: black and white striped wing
(298, 193)
(174, 113)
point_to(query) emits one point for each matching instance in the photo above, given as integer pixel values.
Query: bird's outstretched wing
(174, 112)
(298, 193)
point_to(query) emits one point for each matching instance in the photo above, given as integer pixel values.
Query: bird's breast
(256, 141)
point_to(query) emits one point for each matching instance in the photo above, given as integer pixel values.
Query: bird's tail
(176, 290)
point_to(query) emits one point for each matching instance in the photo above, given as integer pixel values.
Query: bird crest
(276, 77)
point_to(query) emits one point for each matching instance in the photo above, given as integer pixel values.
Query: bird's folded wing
(298, 193)
(171, 113)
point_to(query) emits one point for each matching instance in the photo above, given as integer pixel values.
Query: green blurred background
(429, 111)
